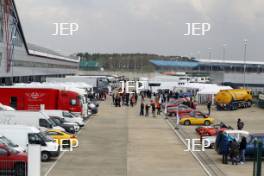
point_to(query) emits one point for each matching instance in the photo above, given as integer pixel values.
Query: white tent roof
(75, 87)
(205, 88)
(213, 90)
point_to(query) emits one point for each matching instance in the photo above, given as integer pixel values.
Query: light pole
(198, 54)
(198, 57)
(245, 57)
(224, 55)
(210, 57)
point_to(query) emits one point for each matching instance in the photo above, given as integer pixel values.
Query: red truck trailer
(32, 98)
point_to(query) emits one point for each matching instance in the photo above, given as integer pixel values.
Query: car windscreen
(53, 124)
(45, 137)
(67, 114)
(7, 141)
(56, 121)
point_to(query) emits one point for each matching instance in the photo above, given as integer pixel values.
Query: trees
(127, 61)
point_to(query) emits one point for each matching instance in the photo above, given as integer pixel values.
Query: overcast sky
(147, 26)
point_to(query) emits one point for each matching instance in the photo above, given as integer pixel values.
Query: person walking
(136, 97)
(132, 100)
(209, 104)
(225, 151)
(234, 152)
(153, 109)
(242, 150)
(113, 98)
(240, 124)
(142, 109)
(158, 108)
(127, 99)
(147, 110)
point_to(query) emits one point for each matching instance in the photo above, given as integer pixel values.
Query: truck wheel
(249, 104)
(45, 156)
(20, 169)
(207, 123)
(187, 122)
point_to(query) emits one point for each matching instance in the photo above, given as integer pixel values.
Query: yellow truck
(233, 99)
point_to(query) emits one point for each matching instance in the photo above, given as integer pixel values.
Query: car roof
(257, 134)
(54, 130)
(236, 131)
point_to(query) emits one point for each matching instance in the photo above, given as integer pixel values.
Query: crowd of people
(235, 149)
(124, 99)
(147, 103)
(150, 105)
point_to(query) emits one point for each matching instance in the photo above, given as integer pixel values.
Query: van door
(13, 102)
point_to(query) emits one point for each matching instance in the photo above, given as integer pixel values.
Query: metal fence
(13, 168)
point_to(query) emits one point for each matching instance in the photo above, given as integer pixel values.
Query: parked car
(5, 108)
(24, 135)
(212, 130)
(62, 137)
(196, 118)
(175, 102)
(69, 127)
(93, 107)
(180, 109)
(38, 119)
(68, 117)
(12, 161)
(9, 143)
(250, 149)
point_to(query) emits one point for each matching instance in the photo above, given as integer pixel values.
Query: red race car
(181, 109)
(212, 130)
(176, 102)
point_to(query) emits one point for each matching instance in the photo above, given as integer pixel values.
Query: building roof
(35, 50)
(45, 52)
(204, 62)
(166, 63)
(230, 61)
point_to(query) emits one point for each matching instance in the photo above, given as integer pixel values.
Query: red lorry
(32, 98)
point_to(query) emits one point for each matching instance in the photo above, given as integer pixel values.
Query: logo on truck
(35, 95)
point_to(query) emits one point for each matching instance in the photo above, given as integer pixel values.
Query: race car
(62, 138)
(176, 102)
(180, 109)
(196, 118)
(212, 130)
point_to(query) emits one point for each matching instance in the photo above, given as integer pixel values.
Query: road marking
(54, 164)
(194, 155)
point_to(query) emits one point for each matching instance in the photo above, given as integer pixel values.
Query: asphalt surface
(118, 142)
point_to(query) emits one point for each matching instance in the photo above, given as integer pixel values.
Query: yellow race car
(196, 118)
(63, 138)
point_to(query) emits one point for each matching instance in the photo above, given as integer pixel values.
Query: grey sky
(147, 26)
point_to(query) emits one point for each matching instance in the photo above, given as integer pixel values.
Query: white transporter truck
(24, 135)
(38, 119)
